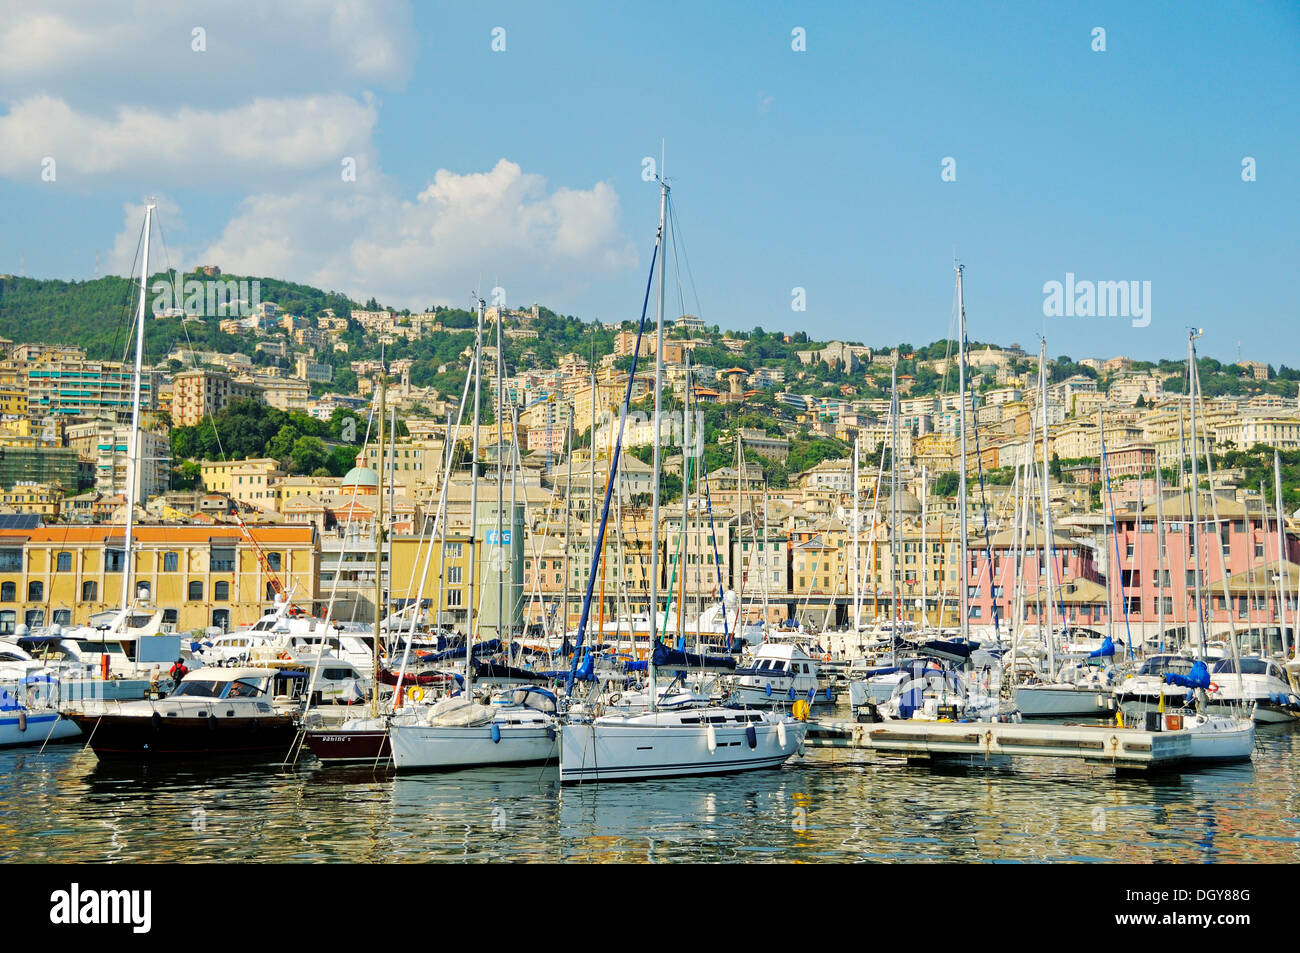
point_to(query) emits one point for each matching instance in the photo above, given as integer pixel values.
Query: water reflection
(829, 806)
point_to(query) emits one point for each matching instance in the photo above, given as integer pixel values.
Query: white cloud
(460, 233)
(240, 145)
(92, 53)
(124, 259)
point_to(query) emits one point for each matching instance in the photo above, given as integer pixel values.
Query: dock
(1125, 749)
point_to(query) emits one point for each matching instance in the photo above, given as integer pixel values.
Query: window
(63, 562)
(34, 618)
(270, 591)
(453, 574)
(11, 560)
(113, 560)
(35, 591)
(221, 592)
(454, 550)
(7, 622)
(196, 591)
(274, 561)
(170, 616)
(222, 560)
(453, 598)
(171, 562)
(89, 591)
(221, 618)
(8, 592)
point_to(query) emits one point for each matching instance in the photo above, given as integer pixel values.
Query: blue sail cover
(675, 658)
(490, 647)
(1198, 677)
(1107, 649)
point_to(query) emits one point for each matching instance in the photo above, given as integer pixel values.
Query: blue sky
(817, 169)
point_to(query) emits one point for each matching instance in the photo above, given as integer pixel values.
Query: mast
(1281, 552)
(925, 553)
(1048, 550)
(857, 569)
(1196, 484)
(961, 491)
(686, 506)
(568, 510)
(133, 468)
(500, 562)
(893, 505)
(654, 488)
(1161, 556)
(379, 544)
(476, 370)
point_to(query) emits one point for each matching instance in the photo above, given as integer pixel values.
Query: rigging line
(609, 484)
(672, 210)
(126, 318)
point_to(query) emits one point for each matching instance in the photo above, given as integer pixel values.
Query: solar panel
(19, 520)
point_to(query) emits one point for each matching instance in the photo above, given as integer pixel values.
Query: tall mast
(133, 463)
(1196, 485)
(1048, 551)
(925, 553)
(686, 505)
(476, 369)
(499, 563)
(1161, 557)
(654, 489)
(568, 510)
(961, 490)
(893, 505)
(379, 543)
(1281, 552)
(857, 569)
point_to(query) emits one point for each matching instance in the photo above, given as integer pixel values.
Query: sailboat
(518, 726)
(629, 744)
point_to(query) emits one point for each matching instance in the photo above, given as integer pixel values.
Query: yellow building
(219, 475)
(451, 594)
(199, 576)
(42, 498)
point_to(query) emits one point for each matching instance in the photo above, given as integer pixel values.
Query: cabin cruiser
(781, 673)
(1253, 681)
(243, 711)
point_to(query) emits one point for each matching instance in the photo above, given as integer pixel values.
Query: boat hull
(758, 698)
(142, 738)
(434, 748)
(1046, 701)
(610, 751)
(340, 746)
(36, 728)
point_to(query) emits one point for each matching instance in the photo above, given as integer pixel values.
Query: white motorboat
(625, 746)
(781, 673)
(1077, 691)
(1255, 682)
(1214, 737)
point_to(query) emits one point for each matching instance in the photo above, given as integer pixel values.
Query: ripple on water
(829, 806)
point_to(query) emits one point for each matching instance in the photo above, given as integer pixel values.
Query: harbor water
(827, 806)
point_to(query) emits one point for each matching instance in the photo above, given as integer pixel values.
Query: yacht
(242, 712)
(781, 673)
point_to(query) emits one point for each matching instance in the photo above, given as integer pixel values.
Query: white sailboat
(632, 745)
(459, 732)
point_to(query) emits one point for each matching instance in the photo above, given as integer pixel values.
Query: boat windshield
(246, 688)
(199, 689)
(1248, 666)
(1166, 664)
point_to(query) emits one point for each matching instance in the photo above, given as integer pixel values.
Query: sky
(838, 156)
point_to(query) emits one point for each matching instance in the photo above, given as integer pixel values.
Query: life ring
(415, 693)
(1214, 688)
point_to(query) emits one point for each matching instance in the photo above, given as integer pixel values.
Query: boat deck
(1125, 749)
